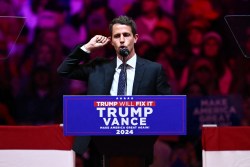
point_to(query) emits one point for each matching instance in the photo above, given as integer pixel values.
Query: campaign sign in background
(216, 110)
(124, 115)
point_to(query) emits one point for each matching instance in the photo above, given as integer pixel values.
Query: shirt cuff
(84, 49)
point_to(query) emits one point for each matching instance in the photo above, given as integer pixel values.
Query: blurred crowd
(190, 38)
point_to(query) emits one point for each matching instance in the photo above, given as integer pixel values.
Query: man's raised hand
(96, 42)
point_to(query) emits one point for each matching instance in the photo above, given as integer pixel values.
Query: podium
(226, 146)
(35, 146)
(124, 128)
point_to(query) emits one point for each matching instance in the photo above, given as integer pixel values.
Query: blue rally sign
(124, 115)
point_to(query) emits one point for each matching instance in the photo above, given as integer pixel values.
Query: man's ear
(136, 36)
(110, 39)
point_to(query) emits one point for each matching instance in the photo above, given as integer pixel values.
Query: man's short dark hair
(124, 20)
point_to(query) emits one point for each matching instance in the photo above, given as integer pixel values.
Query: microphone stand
(124, 52)
(125, 69)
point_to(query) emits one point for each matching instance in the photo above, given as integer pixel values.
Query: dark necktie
(122, 83)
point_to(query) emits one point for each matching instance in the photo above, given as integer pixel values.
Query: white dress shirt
(130, 76)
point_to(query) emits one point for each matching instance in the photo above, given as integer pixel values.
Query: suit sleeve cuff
(84, 49)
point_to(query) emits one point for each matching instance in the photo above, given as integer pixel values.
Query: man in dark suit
(143, 78)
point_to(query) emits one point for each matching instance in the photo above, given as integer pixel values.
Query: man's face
(122, 36)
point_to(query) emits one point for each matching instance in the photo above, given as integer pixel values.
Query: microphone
(124, 52)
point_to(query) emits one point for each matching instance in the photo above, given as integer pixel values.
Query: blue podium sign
(124, 115)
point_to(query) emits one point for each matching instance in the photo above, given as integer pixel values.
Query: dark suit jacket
(149, 79)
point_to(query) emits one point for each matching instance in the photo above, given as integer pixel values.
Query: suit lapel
(109, 75)
(139, 72)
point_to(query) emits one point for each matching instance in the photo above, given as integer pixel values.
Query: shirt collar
(131, 62)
